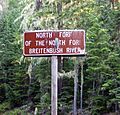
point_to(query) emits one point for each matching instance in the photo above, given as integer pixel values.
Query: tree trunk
(81, 97)
(38, 4)
(60, 60)
(76, 67)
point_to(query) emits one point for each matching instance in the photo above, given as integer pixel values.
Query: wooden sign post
(54, 43)
(54, 84)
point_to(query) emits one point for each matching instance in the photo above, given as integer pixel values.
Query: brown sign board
(54, 42)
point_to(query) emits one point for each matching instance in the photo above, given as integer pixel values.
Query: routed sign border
(66, 54)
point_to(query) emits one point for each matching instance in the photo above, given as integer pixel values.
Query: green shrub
(15, 112)
(4, 106)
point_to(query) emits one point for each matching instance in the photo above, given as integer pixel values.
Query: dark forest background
(25, 82)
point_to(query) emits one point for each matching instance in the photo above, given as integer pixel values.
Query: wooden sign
(59, 42)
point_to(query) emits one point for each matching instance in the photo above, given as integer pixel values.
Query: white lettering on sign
(74, 42)
(73, 50)
(28, 43)
(53, 50)
(60, 42)
(45, 50)
(44, 35)
(65, 34)
(40, 43)
(54, 42)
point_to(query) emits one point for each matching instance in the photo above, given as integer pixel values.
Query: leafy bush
(15, 112)
(4, 106)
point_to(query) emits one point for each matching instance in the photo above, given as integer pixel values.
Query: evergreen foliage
(25, 82)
